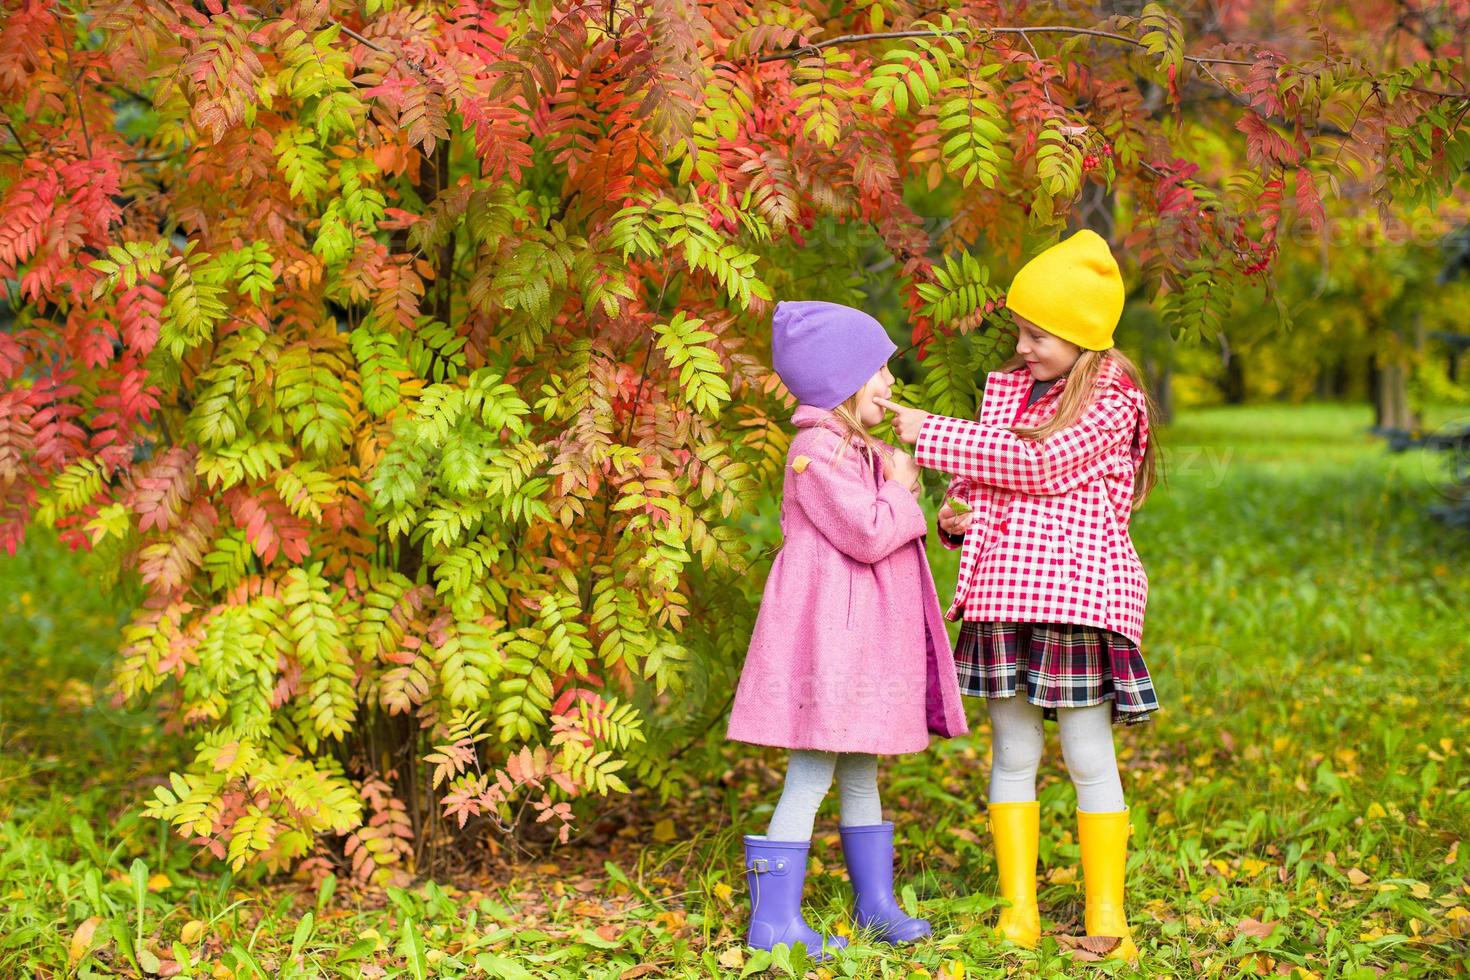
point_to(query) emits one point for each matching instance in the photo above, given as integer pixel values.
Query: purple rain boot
(869, 854)
(775, 872)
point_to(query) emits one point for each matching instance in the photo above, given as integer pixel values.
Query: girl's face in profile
(1047, 355)
(879, 385)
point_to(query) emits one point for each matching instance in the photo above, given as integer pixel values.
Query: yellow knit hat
(1072, 290)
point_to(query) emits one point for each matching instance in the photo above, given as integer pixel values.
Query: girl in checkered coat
(1050, 587)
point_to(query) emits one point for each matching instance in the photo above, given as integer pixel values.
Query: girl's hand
(952, 523)
(901, 467)
(906, 421)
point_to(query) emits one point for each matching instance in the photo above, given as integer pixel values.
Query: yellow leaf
(663, 831)
(81, 940)
(548, 869)
(1062, 875)
(158, 882)
(1357, 877)
(1257, 963)
(800, 463)
(723, 892)
(191, 932)
(732, 958)
(1375, 811)
(953, 970)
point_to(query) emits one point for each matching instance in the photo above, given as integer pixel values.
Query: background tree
(412, 355)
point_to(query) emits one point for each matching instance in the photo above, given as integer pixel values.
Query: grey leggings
(1087, 748)
(809, 776)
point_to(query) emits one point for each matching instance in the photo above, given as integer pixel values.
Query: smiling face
(879, 385)
(1047, 355)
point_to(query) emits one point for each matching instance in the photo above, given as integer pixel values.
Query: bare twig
(1023, 31)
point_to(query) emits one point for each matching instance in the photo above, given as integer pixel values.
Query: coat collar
(808, 416)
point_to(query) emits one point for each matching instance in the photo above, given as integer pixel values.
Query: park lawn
(1301, 801)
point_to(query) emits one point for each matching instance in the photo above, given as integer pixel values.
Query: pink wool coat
(849, 652)
(1049, 541)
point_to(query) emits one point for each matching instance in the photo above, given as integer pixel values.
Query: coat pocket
(851, 599)
(1065, 561)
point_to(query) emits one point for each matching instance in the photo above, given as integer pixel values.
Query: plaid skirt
(1061, 665)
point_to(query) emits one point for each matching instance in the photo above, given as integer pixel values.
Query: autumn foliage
(411, 355)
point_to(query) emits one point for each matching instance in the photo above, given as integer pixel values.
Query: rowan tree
(412, 355)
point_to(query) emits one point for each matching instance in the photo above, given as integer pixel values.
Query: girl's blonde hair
(1077, 394)
(847, 414)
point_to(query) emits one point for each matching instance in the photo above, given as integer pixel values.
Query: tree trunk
(1391, 409)
(1159, 376)
(1232, 381)
(1390, 382)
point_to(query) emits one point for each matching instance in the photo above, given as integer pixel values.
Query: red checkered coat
(1049, 538)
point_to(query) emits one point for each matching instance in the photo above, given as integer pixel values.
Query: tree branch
(1023, 31)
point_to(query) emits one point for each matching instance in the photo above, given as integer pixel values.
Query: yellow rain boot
(1015, 827)
(1104, 841)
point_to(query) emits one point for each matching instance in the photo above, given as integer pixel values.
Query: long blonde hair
(847, 414)
(1077, 395)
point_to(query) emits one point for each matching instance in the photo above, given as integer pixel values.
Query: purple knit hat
(825, 352)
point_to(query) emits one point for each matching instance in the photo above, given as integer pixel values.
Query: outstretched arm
(996, 456)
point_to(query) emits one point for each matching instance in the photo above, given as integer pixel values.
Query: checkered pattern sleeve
(864, 522)
(996, 456)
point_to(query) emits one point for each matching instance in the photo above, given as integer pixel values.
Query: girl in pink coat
(849, 659)
(1050, 587)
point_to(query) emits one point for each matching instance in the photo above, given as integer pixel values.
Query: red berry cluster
(1091, 161)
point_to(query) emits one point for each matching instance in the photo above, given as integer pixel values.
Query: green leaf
(411, 947)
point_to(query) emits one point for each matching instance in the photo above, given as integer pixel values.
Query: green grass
(1307, 631)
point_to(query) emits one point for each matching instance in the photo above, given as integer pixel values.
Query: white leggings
(809, 776)
(1087, 748)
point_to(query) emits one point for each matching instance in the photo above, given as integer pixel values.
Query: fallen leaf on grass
(81, 940)
(732, 958)
(1089, 949)
(1064, 874)
(1256, 928)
